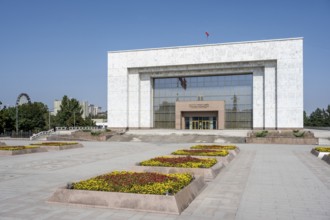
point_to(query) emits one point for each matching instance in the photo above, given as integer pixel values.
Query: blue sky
(53, 48)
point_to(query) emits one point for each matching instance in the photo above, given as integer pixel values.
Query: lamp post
(49, 119)
(16, 118)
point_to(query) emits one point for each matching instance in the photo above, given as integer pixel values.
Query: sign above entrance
(199, 114)
(199, 105)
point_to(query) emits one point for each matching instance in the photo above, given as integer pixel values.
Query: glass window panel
(169, 90)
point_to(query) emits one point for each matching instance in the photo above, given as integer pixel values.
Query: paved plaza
(262, 182)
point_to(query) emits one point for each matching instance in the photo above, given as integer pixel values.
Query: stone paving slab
(262, 182)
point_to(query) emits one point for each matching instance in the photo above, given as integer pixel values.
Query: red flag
(207, 34)
(183, 82)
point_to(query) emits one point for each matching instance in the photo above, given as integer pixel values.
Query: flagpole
(207, 37)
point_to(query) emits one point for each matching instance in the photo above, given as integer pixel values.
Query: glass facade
(235, 90)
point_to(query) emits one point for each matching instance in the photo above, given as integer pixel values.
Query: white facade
(276, 65)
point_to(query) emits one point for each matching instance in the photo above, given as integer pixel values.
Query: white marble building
(275, 67)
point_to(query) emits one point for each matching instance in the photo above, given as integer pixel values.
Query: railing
(52, 131)
(42, 133)
(78, 128)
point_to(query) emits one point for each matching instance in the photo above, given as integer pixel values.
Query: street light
(16, 118)
(49, 117)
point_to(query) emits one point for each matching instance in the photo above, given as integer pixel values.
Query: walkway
(262, 182)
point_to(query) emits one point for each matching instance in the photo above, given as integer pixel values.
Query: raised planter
(171, 204)
(19, 152)
(282, 140)
(282, 137)
(319, 154)
(208, 173)
(62, 147)
(234, 152)
(326, 158)
(214, 147)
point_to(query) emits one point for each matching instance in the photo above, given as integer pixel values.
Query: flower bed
(231, 148)
(55, 146)
(207, 167)
(215, 147)
(133, 182)
(13, 148)
(16, 150)
(185, 162)
(154, 192)
(203, 152)
(55, 143)
(321, 151)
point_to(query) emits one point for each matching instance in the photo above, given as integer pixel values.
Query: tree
(317, 118)
(70, 113)
(32, 117)
(89, 122)
(327, 116)
(7, 119)
(306, 119)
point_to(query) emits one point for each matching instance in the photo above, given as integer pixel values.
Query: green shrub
(261, 133)
(96, 133)
(297, 133)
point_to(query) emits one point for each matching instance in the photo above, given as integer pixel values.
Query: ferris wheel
(23, 98)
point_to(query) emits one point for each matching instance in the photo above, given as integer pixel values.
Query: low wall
(62, 147)
(282, 140)
(80, 136)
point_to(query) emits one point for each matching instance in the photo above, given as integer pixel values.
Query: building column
(258, 98)
(133, 97)
(146, 101)
(270, 97)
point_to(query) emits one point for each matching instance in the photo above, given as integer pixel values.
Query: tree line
(318, 118)
(36, 117)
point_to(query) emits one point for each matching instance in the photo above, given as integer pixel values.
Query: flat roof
(206, 45)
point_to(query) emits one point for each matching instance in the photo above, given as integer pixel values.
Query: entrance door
(202, 123)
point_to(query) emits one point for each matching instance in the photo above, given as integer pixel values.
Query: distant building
(57, 106)
(94, 110)
(88, 110)
(84, 107)
(100, 122)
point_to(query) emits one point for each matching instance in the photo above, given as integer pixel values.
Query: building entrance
(199, 115)
(201, 123)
